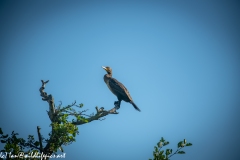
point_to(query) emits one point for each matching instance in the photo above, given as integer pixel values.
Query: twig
(31, 145)
(175, 152)
(69, 106)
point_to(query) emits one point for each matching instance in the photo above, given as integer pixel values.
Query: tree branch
(100, 113)
(40, 138)
(69, 106)
(56, 113)
(175, 152)
(49, 99)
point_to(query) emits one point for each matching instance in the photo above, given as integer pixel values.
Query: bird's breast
(107, 82)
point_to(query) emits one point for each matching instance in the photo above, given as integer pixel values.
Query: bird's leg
(117, 104)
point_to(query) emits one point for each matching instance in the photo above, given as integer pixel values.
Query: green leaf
(2, 141)
(189, 144)
(162, 140)
(81, 105)
(165, 143)
(36, 143)
(159, 144)
(161, 152)
(179, 144)
(78, 118)
(5, 136)
(1, 132)
(167, 152)
(181, 152)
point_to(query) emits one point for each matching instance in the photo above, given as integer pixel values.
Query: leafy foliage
(63, 133)
(15, 145)
(159, 154)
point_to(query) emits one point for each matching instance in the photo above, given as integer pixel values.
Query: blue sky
(180, 62)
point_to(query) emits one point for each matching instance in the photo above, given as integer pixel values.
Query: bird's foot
(116, 103)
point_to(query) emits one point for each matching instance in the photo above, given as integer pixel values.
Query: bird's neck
(109, 75)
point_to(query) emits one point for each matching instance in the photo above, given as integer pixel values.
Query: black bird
(118, 88)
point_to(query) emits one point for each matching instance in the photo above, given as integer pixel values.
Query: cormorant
(118, 88)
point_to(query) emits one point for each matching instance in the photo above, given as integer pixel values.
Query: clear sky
(179, 61)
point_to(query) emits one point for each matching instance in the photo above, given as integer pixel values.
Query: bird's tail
(135, 106)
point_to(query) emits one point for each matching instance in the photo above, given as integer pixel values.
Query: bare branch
(49, 99)
(78, 114)
(83, 111)
(100, 113)
(40, 138)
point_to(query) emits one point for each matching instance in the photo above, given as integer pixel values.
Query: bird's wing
(118, 88)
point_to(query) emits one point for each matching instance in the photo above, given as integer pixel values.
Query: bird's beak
(104, 67)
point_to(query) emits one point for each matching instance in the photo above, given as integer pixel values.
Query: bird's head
(107, 69)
